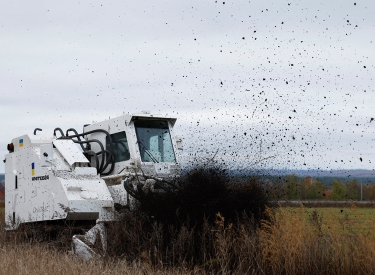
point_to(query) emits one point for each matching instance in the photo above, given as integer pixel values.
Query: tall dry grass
(297, 244)
(209, 226)
(39, 259)
(286, 242)
(27, 251)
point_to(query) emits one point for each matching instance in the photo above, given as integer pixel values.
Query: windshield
(154, 141)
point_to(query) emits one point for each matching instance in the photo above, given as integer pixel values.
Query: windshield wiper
(148, 153)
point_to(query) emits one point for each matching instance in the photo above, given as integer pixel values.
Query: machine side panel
(10, 184)
(37, 193)
(87, 196)
(30, 190)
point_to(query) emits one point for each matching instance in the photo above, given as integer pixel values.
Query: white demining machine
(92, 176)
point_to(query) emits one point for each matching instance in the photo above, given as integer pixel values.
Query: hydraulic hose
(131, 190)
(95, 131)
(101, 147)
(76, 133)
(109, 158)
(58, 129)
(92, 153)
(112, 166)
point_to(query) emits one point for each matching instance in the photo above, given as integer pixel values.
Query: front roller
(91, 245)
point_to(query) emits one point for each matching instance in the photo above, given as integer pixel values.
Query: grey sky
(295, 76)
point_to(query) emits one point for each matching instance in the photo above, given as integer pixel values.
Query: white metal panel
(70, 151)
(59, 162)
(86, 171)
(21, 142)
(46, 155)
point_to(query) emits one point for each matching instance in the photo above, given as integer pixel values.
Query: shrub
(175, 228)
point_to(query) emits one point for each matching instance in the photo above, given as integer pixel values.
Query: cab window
(154, 140)
(120, 148)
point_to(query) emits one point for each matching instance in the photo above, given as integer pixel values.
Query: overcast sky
(291, 81)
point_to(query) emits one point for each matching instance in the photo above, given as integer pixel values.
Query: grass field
(292, 240)
(336, 219)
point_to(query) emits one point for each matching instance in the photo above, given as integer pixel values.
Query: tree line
(292, 187)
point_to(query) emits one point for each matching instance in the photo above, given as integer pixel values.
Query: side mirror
(179, 143)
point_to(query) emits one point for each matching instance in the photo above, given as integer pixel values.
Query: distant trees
(349, 191)
(368, 192)
(311, 189)
(292, 184)
(291, 187)
(338, 190)
(353, 190)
